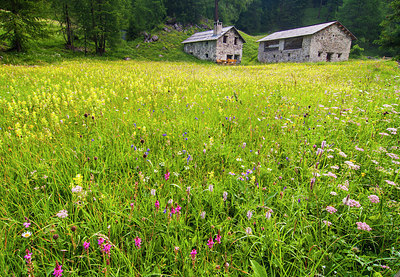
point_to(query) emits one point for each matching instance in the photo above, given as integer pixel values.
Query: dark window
(293, 43)
(236, 41)
(206, 55)
(288, 54)
(225, 39)
(191, 53)
(339, 55)
(237, 57)
(319, 54)
(229, 57)
(329, 57)
(272, 45)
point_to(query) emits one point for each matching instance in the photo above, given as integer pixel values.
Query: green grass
(95, 138)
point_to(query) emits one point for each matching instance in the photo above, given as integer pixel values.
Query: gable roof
(209, 35)
(305, 31)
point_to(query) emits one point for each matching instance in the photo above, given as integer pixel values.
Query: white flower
(203, 215)
(268, 214)
(62, 214)
(77, 189)
(153, 192)
(26, 234)
(170, 201)
(225, 195)
(249, 214)
(248, 231)
(211, 188)
(333, 193)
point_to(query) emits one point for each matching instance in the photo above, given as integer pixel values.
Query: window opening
(293, 43)
(328, 57)
(272, 45)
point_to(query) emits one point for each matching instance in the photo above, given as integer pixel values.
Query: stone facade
(224, 44)
(203, 50)
(331, 43)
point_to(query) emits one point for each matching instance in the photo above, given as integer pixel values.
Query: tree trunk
(94, 27)
(70, 37)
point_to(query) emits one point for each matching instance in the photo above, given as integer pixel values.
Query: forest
(103, 23)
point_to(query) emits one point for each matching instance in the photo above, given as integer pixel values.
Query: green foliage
(21, 22)
(390, 36)
(356, 51)
(362, 18)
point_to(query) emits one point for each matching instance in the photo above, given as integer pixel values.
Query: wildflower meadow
(175, 169)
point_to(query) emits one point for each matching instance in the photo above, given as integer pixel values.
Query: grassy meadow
(136, 168)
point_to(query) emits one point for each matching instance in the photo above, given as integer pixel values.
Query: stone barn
(218, 45)
(329, 42)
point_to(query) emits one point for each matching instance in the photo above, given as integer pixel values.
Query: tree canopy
(101, 24)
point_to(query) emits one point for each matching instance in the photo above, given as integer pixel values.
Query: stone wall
(331, 42)
(229, 48)
(282, 55)
(204, 50)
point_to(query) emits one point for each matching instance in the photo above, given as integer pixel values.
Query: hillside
(167, 48)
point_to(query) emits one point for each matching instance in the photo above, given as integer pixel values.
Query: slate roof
(305, 31)
(209, 35)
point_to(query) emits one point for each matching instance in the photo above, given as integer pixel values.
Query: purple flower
(86, 245)
(157, 204)
(193, 254)
(57, 270)
(210, 243)
(373, 198)
(331, 209)
(100, 241)
(107, 248)
(167, 175)
(28, 256)
(218, 238)
(27, 224)
(363, 226)
(138, 242)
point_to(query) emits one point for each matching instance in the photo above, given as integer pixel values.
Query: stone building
(318, 43)
(217, 44)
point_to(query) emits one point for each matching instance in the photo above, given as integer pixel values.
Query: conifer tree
(21, 21)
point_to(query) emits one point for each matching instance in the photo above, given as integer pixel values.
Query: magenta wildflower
(331, 209)
(167, 175)
(28, 256)
(27, 224)
(210, 243)
(157, 204)
(138, 242)
(193, 254)
(86, 245)
(57, 270)
(363, 226)
(107, 248)
(178, 209)
(373, 198)
(218, 238)
(100, 241)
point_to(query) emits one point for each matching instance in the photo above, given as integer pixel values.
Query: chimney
(217, 24)
(217, 28)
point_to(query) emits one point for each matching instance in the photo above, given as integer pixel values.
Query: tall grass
(253, 154)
